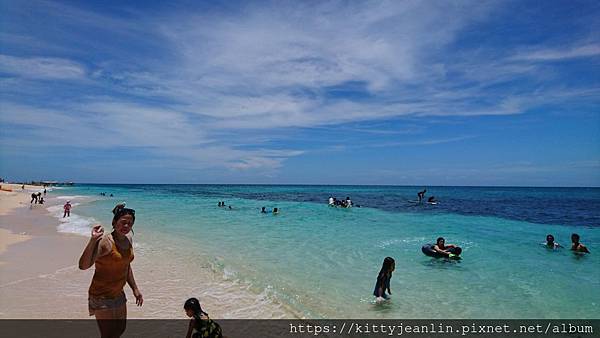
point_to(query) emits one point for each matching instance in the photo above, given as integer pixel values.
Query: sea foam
(75, 224)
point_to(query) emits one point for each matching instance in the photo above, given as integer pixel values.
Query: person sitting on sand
(576, 246)
(204, 326)
(442, 248)
(421, 194)
(112, 255)
(550, 243)
(431, 200)
(41, 201)
(383, 279)
(67, 207)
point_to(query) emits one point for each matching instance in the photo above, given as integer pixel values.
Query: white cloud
(556, 54)
(269, 67)
(41, 67)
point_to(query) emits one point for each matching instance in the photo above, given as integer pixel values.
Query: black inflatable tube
(429, 251)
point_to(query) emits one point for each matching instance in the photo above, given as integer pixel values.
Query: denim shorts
(102, 303)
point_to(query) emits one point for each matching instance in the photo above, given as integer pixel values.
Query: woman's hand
(139, 299)
(97, 232)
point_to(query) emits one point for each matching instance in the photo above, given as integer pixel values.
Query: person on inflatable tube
(440, 249)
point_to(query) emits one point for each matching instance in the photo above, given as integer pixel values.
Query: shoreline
(39, 276)
(35, 255)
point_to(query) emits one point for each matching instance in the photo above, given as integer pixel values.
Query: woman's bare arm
(139, 299)
(93, 249)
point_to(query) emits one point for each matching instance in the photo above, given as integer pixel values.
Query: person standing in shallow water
(67, 207)
(421, 194)
(383, 280)
(112, 255)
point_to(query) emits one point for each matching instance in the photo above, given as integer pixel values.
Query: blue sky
(312, 92)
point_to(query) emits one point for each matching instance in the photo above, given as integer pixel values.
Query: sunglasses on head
(124, 211)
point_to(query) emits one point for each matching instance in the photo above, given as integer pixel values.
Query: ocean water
(322, 262)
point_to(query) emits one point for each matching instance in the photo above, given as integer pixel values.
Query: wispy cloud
(196, 86)
(41, 67)
(561, 53)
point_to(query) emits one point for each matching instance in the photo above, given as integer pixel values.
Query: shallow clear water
(323, 262)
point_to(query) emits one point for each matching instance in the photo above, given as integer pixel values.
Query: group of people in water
(421, 197)
(264, 210)
(112, 254)
(440, 249)
(104, 194)
(575, 245)
(222, 205)
(347, 203)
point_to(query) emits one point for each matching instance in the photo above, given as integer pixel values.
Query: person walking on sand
(383, 280)
(67, 207)
(112, 255)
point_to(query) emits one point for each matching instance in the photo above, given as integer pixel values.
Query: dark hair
(194, 305)
(439, 239)
(457, 251)
(388, 262)
(575, 236)
(120, 211)
(549, 236)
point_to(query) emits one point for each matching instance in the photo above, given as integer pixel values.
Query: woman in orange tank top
(112, 255)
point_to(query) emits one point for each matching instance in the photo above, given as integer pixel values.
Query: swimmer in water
(442, 248)
(576, 246)
(550, 243)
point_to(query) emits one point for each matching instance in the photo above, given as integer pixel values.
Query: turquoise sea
(322, 262)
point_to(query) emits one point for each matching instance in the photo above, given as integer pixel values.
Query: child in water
(383, 279)
(205, 327)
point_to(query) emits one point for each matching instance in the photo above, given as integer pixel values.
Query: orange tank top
(111, 273)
